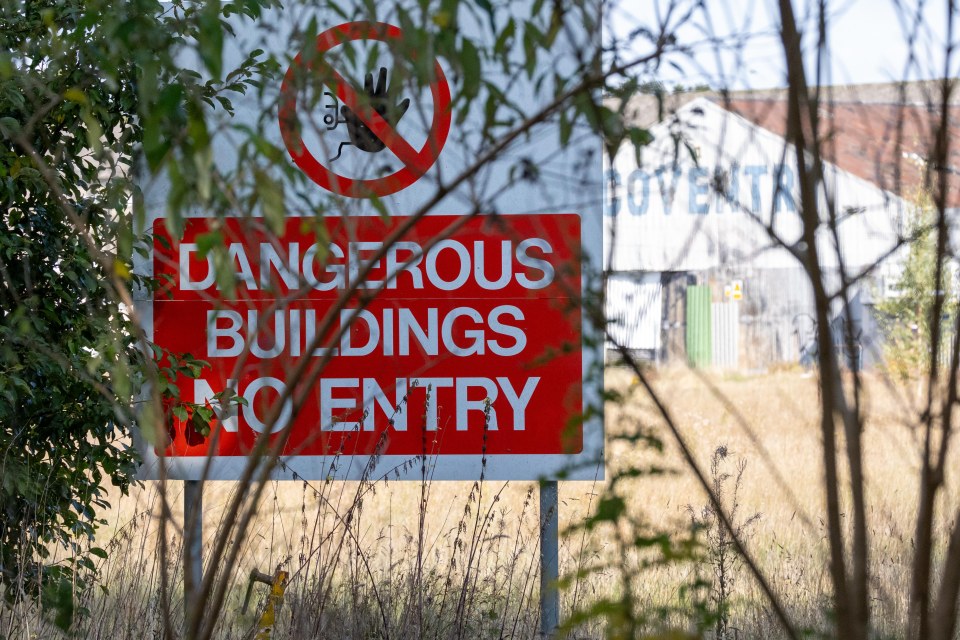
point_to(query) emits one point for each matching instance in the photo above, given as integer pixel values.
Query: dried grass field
(456, 560)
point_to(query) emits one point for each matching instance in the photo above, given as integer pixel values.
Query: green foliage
(86, 87)
(640, 548)
(65, 109)
(907, 319)
(193, 417)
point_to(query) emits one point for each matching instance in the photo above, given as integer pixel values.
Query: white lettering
(475, 334)
(519, 337)
(352, 317)
(338, 281)
(373, 397)
(238, 256)
(279, 334)
(388, 332)
(432, 384)
(249, 409)
(506, 265)
(394, 264)
(328, 403)
(535, 263)
(465, 405)
(186, 284)
(311, 334)
(357, 263)
(518, 402)
(203, 392)
(427, 339)
(462, 254)
(294, 332)
(270, 257)
(214, 332)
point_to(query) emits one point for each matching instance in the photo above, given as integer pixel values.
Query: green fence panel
(699, 326)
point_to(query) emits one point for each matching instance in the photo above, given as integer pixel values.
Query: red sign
(415, 163)
(486, 324)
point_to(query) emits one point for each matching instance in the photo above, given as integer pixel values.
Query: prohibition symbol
(415, 163)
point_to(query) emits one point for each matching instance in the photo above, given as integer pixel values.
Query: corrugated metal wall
(774, 315)
(669, 218)
(674, 321)
(726, 334)
(699, 326)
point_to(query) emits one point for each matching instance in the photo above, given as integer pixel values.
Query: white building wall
(722, 216)
(669, 213)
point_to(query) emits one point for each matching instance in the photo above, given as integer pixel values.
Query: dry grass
(771, 420)
(360, 564)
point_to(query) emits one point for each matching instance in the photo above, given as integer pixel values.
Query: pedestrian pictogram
(370, 116)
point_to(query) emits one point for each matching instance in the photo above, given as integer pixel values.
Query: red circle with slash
(415, 163)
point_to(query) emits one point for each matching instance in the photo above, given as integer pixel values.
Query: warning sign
(364, 341)
(371, 116)
(450, 356)
(734, 290)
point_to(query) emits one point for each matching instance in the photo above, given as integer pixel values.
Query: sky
(867, 42)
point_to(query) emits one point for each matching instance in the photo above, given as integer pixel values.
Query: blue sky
(867, 42)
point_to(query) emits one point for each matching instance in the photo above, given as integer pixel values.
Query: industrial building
(697, 223)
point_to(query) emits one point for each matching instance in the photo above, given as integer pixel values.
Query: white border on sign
(581, 157)
(586, 465)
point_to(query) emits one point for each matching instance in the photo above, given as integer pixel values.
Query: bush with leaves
(77, 82)
(65, 110)
(906, 317)
(87, 88)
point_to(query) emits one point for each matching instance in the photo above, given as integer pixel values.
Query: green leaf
(207, 241)
(470, 59)
(639, 138)
(60, 599)
(203, 413)
(9, 126)
(270, 193)
(210, 37)
(200, 424)
(531, 41)
(505, 39)
(566, 128)
(609, 509)
(223, 268)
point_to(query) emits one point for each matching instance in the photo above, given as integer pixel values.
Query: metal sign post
(549, 559)
(192, 536)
